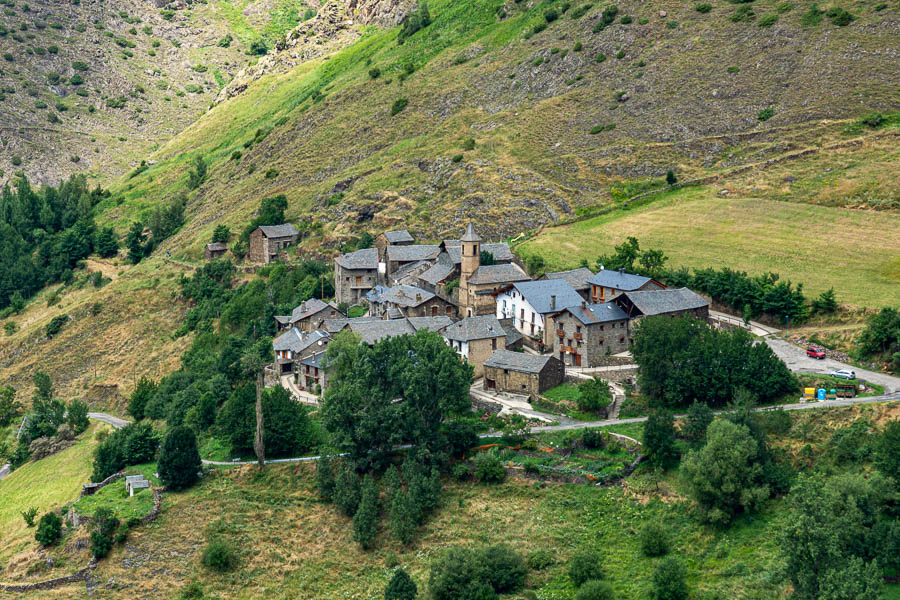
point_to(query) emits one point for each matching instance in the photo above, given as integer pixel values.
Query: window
(494, 344)
(506, 371)
(601, 328)
(621, 339)
(578, 329)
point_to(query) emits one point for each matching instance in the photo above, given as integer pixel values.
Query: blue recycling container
(820, 394)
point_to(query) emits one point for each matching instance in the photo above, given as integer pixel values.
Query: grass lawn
(46, 484)
(357, 311)
(853, 251)
(116, 498)
(562, 400)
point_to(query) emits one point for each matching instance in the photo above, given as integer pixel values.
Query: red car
(815, 352)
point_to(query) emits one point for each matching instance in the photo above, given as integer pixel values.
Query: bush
(489, 468)
(401, 587)
(600, 58)
(29, 516)
(625, 20)
(669, 581)
(585, 565)
(670, 177)
(551, 15)
(839, 16)
(398, 106)
(703, 7)
(79, 65)
(462, 573)
(346, 491)
(505, 568)
(653, 539)
(768, 20)
(593, 395)
(593, 438)
(538, 560)
(595, 590)
(659, 439)
(365, 521)
(49, 529)
(218, 555)
(55, 325)
(766, 114)
(461, 471)
(374, 73)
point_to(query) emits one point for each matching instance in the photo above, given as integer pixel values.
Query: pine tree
(403, 518)
(365, 521)
(179, 460)
(401, 587)
(325, 477)
(346, 491)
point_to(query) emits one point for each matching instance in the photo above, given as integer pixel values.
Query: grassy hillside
(293, 545)
(822, 247)
(45, 485)
(98, 85)
(671, 92)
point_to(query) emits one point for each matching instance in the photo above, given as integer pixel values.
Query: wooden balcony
(561, 333)
(578, 337)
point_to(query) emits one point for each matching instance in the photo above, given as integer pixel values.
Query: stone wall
(91, 488)
(481, 405)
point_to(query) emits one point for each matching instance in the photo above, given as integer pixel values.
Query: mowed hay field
(46, 484)
(855, 251)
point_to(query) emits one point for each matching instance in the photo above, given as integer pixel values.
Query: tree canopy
(397, 391)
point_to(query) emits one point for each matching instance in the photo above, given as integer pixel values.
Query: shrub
(576, 47)
(258, 48)
(538, 28)
(117, 102)
(271, 173)
(669, 581)
(811, 17)
(461, 471)
(733, 69)
(476, 574)
(489, 468)
(457, 158)
(585, 565)
(653, 539)
(625, 20)
(49, 529)
(540, 559)
(672, 25)
(768, 20)
(16, 160)
(469, 144)
(670, 177)
(551, 15)
(398, 106)
(29, 516)
(703, 7)
(79, 65)
(595, 590)
(218, 555)
(766, 114)
(55, 324)
(784, 7)
(401, 587)
(743, 13)
(839, 16)
(374, 73)
(346, 491)
(580, 11)
(365, 521)
(600, 58)
(76, 79)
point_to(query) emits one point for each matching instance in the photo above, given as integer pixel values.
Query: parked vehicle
(844, 374)
(815, 352)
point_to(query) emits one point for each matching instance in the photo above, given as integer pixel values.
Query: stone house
(578, 278)
(584, 334)
(478, 282)
(406, 301)
(372, 330)
(267, 241)
(355, 273)
(475, 339)
(528, 302)
(520, 373)
(294, 345)
(215, 250)
(400, 237)
(311, 314)
(673, 302)
(311, 374)
(606, 285)
(396, 257)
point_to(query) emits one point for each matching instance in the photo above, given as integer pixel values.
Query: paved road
(796, 360)
(116, 422)
(4, 471)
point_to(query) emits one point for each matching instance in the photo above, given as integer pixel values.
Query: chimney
(418, 297)
(552, 302)
(621, 269)
(584, 304)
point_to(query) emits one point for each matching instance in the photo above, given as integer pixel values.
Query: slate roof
(518, 361)
(373, 331)
(401, 295)
(502, 273)
(412, 253)
(538, 294)
(217, 246)
(601, 312)
(398, 237)
(475, 328)
(294, 340)
(309, 308)
(314, 360)
(410, 271)
(283, 319)
(619, 280)
(513, 335)
(439, 271)
(470, 235)
(658, 302)
(333, 326)
(430, 323)
(283, 230)
(367, 258)
(578, 278)
(499, 250)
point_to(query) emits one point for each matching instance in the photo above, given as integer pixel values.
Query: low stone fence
(75, 577)
(482, 405)
(91, 488)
